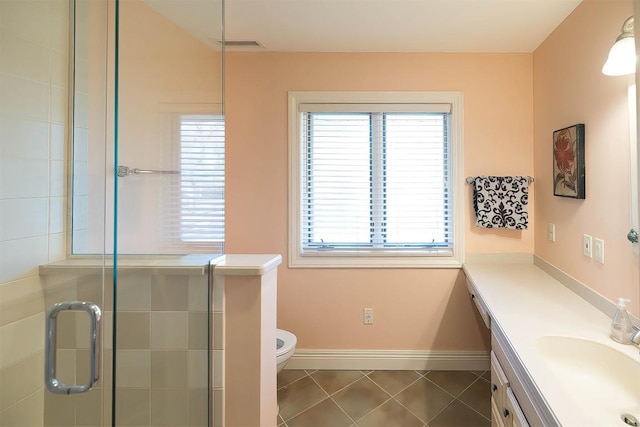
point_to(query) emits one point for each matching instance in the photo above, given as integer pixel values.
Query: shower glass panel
(168, 181)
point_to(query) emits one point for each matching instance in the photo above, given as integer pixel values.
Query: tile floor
(384, 398)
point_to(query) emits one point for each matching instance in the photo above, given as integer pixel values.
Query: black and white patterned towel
(501, 202)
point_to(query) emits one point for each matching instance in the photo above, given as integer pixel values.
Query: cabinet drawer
(480, 305)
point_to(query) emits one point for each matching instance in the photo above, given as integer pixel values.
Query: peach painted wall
(570, 88)
(425, 309)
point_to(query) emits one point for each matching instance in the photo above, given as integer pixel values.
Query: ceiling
(378, 25)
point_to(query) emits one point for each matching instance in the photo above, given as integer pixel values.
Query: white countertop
(526, 303)
(246, 264)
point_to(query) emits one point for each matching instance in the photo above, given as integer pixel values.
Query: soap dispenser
(621, 326)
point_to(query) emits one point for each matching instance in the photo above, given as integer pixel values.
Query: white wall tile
(20, 218)
(24, 139)
(21, 178)
(57, 214)
(21, 258)
(26, 19)
(81, 109)
(58, 178)
(80, 145)
(58, 146)
(22, 339)
(24, 98)
(59, 63)
(57, 247)
(59, 24)
(82, 75)
(23, 58)
(59, 104)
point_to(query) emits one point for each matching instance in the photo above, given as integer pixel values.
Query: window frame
(379, 258)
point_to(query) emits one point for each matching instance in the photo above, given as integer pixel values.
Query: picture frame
(568, 162)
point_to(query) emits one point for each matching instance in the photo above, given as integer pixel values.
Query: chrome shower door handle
(53, 384)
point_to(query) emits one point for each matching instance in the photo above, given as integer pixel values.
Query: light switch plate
(598, 250)
(551, 232)
(587, 246)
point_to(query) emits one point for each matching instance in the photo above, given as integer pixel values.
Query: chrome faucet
(635, 336)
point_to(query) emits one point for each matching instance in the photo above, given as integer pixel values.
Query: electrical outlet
(598, 250)
(368, 316)
(551, 232)
(587, 243)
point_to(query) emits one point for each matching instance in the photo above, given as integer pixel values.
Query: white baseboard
(390, 360)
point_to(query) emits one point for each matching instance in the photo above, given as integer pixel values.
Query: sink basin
(603, 381)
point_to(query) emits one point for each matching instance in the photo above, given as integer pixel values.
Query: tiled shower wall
(33, 125)
(162, 356)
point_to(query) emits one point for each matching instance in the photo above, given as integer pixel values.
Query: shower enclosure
(111, 205)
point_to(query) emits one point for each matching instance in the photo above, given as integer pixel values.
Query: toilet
(285, 346)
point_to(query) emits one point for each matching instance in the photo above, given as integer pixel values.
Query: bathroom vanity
(552, 361)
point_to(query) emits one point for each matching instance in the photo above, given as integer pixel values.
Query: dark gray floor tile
(478, 396)
(299, 396)
(452, 381)
(324, 414)
(360, 398)
(394, 382)
(287, 376)
(390, 414)
(459, 415)
(424, 399)
(333, 381)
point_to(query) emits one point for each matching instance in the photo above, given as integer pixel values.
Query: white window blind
(197, 221)
(376, 179)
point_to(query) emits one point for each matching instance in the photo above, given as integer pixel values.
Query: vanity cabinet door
(515, 413)
(499, 383)
(496, 415)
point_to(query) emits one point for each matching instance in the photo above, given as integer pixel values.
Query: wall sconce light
(622, 56)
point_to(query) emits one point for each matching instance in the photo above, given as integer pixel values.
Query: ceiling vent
(241, 44)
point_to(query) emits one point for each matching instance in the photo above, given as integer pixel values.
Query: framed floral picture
(568, 162)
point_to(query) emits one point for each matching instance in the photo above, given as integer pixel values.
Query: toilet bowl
(285, 346)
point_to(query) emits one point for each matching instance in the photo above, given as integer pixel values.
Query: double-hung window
(373, 179)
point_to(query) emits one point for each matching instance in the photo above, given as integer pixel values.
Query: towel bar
(470, 179)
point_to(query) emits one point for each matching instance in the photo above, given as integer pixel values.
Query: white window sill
(368, 261)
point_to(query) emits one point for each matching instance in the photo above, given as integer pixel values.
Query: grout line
(469, 406)
(343, 411)
(294, 381)
(410, 411)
